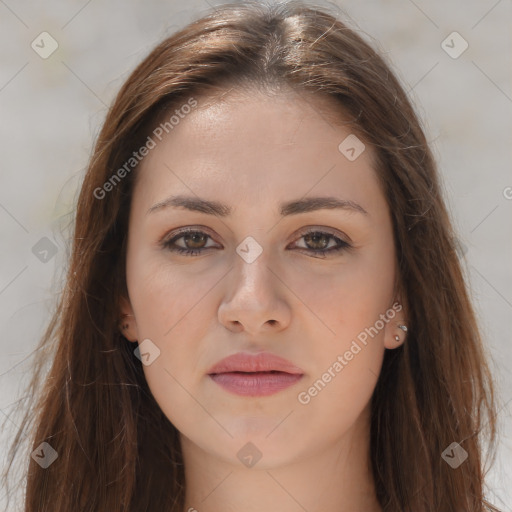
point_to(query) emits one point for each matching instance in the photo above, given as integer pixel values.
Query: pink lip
(261, 374)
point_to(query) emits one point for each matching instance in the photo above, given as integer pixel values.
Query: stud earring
(404, 328)
(123, 324)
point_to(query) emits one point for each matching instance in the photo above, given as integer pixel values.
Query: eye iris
(196, 238)
(315, 237)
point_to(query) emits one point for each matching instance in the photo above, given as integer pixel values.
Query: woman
(264, 306)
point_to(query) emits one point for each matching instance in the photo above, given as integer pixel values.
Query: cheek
(167, 378)
(170, 306)
(168, 296)
(346, 346)
(172, 312)
(348, 305)
(347, 297)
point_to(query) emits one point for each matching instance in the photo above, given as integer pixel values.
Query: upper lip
(261, 362)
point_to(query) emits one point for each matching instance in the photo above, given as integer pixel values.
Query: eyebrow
(293, 207)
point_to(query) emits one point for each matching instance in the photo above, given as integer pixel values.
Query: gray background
(52, 109)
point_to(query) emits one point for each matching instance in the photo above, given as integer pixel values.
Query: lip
(261, 362)
(261, 374)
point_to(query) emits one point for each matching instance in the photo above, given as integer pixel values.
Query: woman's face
(257, 281)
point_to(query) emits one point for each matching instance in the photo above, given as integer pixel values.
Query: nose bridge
(251, 272)
(255, 255)
(253, 295)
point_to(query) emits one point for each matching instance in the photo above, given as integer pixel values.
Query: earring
(123, 324)
(404, 328)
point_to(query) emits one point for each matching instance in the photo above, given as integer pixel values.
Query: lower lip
(255, 384)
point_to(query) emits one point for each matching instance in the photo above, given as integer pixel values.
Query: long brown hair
(116, 450)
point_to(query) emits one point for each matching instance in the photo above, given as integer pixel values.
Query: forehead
(247, 144)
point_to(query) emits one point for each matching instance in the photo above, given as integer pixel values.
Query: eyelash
(169, 243)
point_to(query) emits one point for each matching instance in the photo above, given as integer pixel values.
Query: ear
(392, 331)
(127, 323)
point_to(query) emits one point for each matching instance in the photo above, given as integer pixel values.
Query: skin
(252, 151)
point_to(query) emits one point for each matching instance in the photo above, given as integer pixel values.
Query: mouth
(260, 374)
(255, 383)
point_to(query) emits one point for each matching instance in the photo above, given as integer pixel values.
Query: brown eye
(195, 239)
(194, 242)
(317, 243)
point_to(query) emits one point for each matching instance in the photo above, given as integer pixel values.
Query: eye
(193, 239)
(320, 240)
(194, 243)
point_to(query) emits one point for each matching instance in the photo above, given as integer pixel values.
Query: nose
(255, 299)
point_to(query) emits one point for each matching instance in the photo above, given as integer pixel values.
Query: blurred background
(63, 62)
